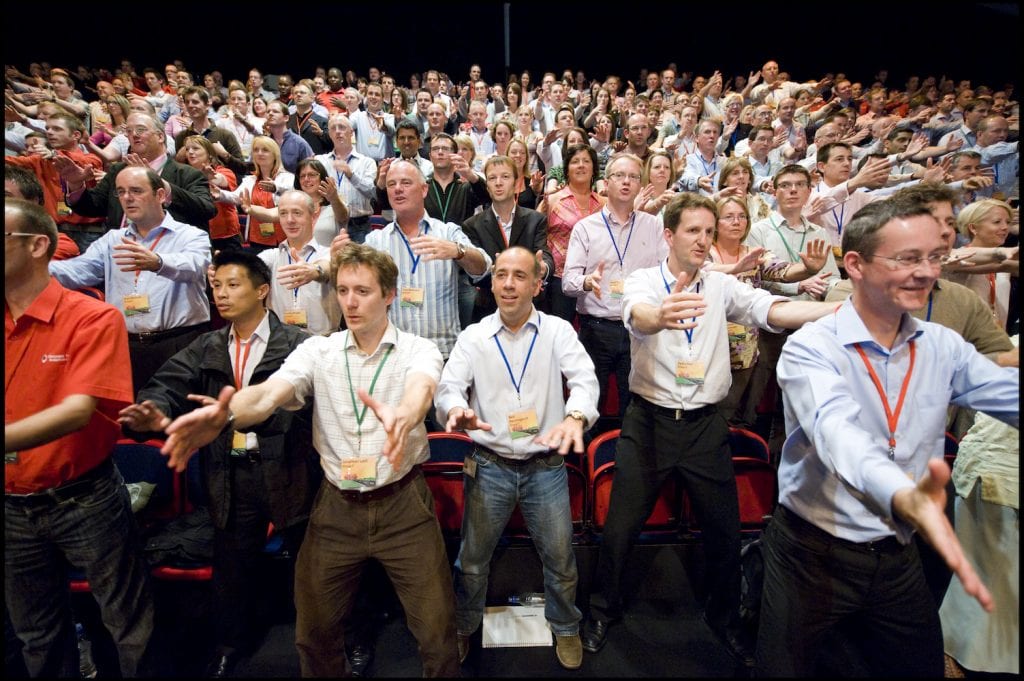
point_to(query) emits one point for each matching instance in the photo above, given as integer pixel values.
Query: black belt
(247, 456)
(149, 337)
(381, 492)
(674, 414)
(65, 491)
(600, 320)
(803, 527)
(491, 455)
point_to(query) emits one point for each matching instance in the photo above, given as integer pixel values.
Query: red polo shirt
(65, 344)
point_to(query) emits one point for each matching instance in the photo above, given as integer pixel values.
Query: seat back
(743, 442)
(757, 487)
(143, 462)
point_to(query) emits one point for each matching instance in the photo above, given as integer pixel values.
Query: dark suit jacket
(191, 202)
(529, 230)
(291, 467)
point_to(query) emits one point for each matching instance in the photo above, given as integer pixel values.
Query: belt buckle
(679, 414)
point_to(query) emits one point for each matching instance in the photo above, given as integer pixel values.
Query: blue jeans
(467, 299)
(93, 530)
(541, 489)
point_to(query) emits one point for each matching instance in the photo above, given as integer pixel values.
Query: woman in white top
(312, 178)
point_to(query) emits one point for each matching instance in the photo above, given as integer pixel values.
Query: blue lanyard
(621, 256)
(839, 218)
(668, 290)
(341, 176)
(295, 292)
(529, 352)
(714, 164)
(415, 258)
(928, 317)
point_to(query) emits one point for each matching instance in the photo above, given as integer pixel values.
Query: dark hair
(571, 152)
(861, 233)
(752, 135)
(315, 165)
(686, 201)
(926, 193)
(26, 181)
(406, 124)
(258, 271)
(196, 90)
(33, 220)
(445, 136)
(792, 168)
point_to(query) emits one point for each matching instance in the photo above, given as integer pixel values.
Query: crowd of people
(296, 278)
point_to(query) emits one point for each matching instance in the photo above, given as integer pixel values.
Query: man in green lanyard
(374, 502)
(785, 232)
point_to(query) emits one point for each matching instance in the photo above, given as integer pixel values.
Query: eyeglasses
(138, 130)
(6, 234)
(622, 176)
(638, 128)
(734, 218)
(909, 262)
(792, 185)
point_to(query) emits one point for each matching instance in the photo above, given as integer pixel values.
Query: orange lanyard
(138, 272)
(892, 416)
(992, 290)
(240, 365)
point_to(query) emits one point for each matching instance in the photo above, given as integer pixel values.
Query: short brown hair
(686, 201)
(354, 255)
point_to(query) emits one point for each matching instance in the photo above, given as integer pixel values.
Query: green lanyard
(448, 200)
(793, 257)
(360, 415)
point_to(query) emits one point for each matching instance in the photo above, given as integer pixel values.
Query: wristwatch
(578, 415)
(320, 274)
(230, 425)
(462, 250)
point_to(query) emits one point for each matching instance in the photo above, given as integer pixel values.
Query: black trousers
(607, 343)
(148, 353)
(653, 445)
(814, 581)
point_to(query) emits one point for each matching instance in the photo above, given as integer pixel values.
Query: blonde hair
(271, 145)
(976, 212)
(742, 203)
(466, 142)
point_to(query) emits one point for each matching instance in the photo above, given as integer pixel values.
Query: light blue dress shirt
(835, 470)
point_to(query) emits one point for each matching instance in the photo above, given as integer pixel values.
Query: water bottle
(528, 598)
(86, 666)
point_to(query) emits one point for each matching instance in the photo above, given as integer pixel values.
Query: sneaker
(569, 650)
(463, 647)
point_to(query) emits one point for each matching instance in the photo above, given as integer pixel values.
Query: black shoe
(594, 634)
(734, 642)
(221, 665)
(360, 658)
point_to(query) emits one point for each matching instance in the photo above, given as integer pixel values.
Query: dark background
(978, 41)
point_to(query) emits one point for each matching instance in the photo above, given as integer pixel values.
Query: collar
(309, 246)
(850, 328)
(492, 323)
(158, 163)
(262, 330)
(390, 338)
(45, 305)
(671, 278)
(782, 222)
(512, 217)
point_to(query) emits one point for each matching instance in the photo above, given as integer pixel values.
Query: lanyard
(360, 415)
(135, 284)
(891, 416)
(341, 176)
(621, 256)
(240, 363)
(448, 200)
(928, 317)
(295, 291)
(501, 226)
(415, 258)
(793, 257)
(668, 289)
(714, 164)
(508, 366)
(838, 218)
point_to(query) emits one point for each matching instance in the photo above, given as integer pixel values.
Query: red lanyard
(992, 290)
(891, 416)
(138, 272)
(240, 365)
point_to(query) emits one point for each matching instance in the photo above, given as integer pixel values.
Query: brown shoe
(463, 647)
(569, 650)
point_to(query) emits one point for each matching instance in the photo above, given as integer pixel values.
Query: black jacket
(291, 467)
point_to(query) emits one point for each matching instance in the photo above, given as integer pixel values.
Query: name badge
(135, 304)
(266, 229)
(12, 457)
(469, 466)
(373, 139)
(617, 287)
(62, 208)
(296, 318)
(736, 332)
(689, 373)
(523, 423)
(837, 252)
(357, 472)
(411, 297)
(238, 446)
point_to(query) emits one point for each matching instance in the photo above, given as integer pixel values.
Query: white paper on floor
(515, 626)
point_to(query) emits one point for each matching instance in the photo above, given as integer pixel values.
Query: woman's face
(738, 177)
(572, 138)
(197, 156)
(803, 99)
(467, 154)
(525, 119)
(581, 168)
(396, 100)
(517, 153)
(309, 180)
(603, 98)
(502, 135)
(732, 222)
(262, 156)
(992, 229)
(661, 170)
(259, 108)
